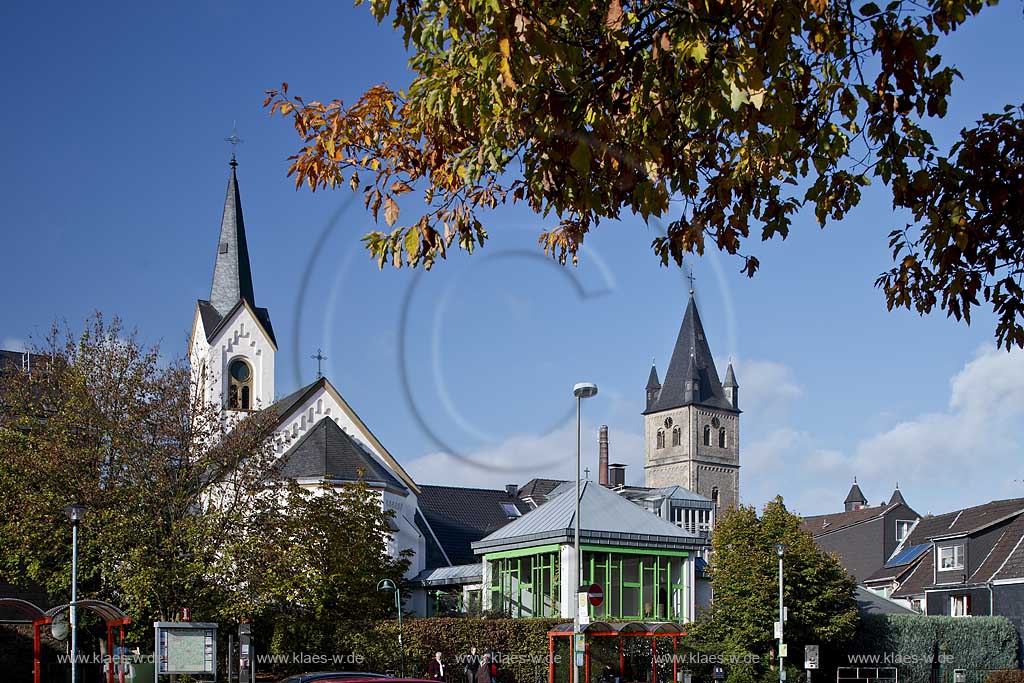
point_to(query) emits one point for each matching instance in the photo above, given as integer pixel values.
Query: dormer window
(707, 435)
(951, 557)
(903, 530)
(239, 385)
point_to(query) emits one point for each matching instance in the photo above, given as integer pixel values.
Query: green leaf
(580, 158)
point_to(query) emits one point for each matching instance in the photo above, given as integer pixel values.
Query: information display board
(184, 647)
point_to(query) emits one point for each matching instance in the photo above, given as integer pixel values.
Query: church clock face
(715, 423)
(668, 423)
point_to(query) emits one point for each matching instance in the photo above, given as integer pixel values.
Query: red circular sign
(595, 594)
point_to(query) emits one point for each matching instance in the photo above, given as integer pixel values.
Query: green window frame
(525, 584)
(637, 585)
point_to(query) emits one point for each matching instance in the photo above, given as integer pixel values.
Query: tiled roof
(326, 451)
(869, 602)
(817, 525)
(459, 516)
(964, 521)
(538, 490)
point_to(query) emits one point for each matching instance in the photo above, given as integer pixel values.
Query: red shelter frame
(112, 616)
(620, 630)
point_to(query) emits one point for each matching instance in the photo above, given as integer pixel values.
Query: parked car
(330, 676)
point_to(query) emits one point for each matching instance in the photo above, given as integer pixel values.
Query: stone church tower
(691, 424)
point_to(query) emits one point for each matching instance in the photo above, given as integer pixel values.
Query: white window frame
(957, 559)
(906, 525)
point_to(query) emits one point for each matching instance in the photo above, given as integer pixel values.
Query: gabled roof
(691, 342)
(285, 407)
(538, 490)
(817, 525)
(607, 518)
(458, 516)
(232, 274)
(326, 451)
(966, 521)
(213, 321)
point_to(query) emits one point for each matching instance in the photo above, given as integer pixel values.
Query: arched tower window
(707, 435)
(714, 496)
(239, 385)
(661, 438)
(677, 436)
(721, 437)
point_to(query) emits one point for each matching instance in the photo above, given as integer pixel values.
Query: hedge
(914, 642)
(521, 644)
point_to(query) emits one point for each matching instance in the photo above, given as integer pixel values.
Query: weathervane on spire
(319, 358)
(234, 141)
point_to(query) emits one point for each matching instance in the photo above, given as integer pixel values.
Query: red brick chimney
(602, 457)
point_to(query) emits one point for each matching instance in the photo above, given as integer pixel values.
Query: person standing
(472, 664)
(436, 669)
(483, 672)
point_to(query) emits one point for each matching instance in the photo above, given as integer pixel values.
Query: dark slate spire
(897, 497)
(232, 276)
(691, 341)
(732, 393)
(855, 498)
(653, 386)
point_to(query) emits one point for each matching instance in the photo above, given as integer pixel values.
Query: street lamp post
(780, 550)
(74, 513)
(389, 585)
(580, 391)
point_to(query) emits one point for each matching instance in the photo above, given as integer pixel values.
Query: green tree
(101, 420)
(744, 576)
(722, 118)
(323, 576)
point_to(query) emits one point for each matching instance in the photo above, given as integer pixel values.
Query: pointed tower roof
(232, 275)
(652, 380)
(897, 497)
(691, 342)
(730, 378)
(855, 495)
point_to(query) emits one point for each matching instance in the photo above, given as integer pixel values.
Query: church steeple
(232, 275)
(691, 348)
(653, 386)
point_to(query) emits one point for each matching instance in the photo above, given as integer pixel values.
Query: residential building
(863, 536)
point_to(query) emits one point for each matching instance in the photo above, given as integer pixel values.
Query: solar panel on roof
(907, 555)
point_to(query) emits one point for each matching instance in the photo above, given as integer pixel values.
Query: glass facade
(525, 585)
(649, 587)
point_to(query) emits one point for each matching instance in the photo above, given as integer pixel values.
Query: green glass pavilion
(645, 564)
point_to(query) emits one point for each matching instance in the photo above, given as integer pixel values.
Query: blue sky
(113, 177)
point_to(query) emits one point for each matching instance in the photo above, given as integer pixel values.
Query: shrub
(1006, 676)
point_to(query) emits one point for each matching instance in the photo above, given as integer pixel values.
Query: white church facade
(232, 357)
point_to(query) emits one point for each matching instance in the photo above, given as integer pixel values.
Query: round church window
(240, 370)
(668, 423)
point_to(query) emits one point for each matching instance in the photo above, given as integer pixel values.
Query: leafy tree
(723, 118)
(744, 576)
(101, 421)
(323, 577)
(181, 510)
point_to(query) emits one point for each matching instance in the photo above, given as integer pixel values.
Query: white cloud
(520, 458)
(13, 344)
(967, 454)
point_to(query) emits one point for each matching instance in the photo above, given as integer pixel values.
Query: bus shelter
(618, 652)
(114, 619)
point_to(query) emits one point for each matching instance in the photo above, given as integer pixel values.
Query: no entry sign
(595, 594)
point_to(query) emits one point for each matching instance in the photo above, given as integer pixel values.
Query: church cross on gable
(691, 421)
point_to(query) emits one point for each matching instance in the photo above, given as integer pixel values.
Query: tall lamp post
(74, 513)
(780, 550)
(389, 585)
(580, 391)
